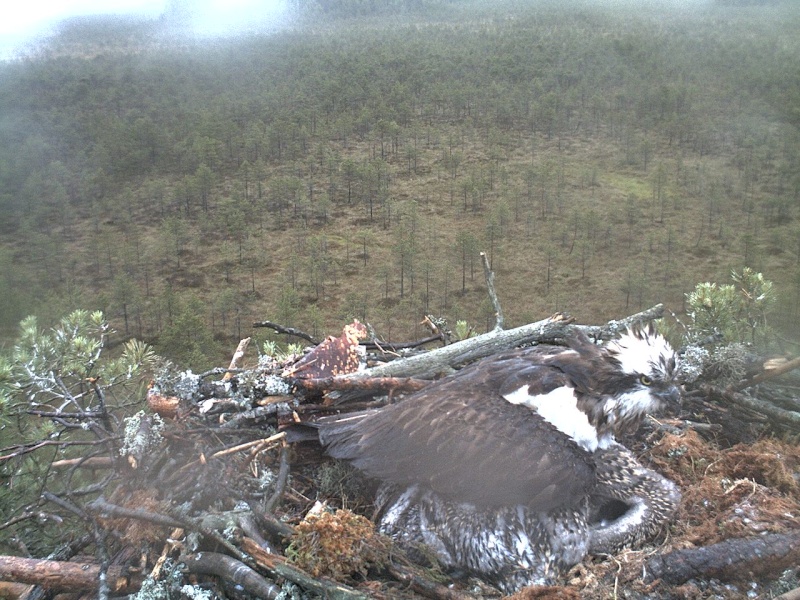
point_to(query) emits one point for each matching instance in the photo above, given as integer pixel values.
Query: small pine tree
(61, 397)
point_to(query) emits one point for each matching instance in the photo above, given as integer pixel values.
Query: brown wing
(462, 439)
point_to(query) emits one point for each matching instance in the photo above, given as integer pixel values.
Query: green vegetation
(604, 158)
(61, 397)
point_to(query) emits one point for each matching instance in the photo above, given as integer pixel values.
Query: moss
(337, 544)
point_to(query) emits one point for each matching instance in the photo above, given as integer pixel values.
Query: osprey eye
(645, 380)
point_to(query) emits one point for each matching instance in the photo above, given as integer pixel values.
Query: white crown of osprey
(643, 351)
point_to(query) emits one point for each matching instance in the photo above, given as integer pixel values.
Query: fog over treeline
(178, 18)
(312, 162)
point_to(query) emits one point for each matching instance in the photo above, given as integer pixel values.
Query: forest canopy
(352, 163)
(385, 164)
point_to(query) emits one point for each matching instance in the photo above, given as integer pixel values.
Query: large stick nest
(215, 492)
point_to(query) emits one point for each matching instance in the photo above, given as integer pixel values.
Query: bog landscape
(403, 170)
(354, 162)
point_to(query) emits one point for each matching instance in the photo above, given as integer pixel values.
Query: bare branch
(376, 384)
(230, 569)
(103, 508)
(287, 331)
(553, 329)
(767, 373)
(54, 574)
(499, 321)
(280, 482)
(769, 553)
(277, 566)
(785, 418)
(237, 356)
(425, 587)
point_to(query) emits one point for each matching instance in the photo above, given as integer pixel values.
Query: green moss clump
(337, 545)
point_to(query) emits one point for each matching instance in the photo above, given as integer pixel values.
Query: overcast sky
(23, 20)
(29, 16)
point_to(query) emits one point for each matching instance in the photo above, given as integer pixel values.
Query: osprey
(509, 468)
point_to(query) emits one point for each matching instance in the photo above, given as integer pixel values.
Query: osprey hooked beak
(671, 399)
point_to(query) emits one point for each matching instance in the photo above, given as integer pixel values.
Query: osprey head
(644, 378)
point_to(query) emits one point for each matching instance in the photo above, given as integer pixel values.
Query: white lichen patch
(142, 431)
(692, 363)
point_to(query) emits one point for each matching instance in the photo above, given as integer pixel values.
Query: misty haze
(195, 194)
(312, 162)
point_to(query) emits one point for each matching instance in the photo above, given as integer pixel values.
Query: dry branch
(499, 320)
(237, 356)
(12, 591)
(230, 569)
(767, 373)
(430, 364)
(790, 595)
(54, 574)
(733, 558)
(93, 462)
(104, 509)
(287, 331)
(377, 384)
(780, 416)
(395, 346)
(425, 587)
(277, 566)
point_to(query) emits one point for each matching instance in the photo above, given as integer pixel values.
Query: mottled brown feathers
(462, 439)
(499, 468)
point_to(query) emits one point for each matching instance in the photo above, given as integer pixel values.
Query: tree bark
(442, 360)
(230, 569)
(743, 557)
(54, 574)
(279, 567)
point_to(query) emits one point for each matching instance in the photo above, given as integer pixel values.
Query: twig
(66, 505)
(89, 414)
(280, 482)
(104, 509)
(277, 566)
(173, 520)
(101, 551)
(237, 356)
(171, 542)
(785, 418)
(270, 524)
(765, 375)
(499, 320)
(23, 449)
(255, 414)
(230, 569)
(92, 462)
(373, 345)
(239, 447)
(287, 331)
(424, 587)
(375, 384)
(27, 516)
(248, 522)
(218, 371)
